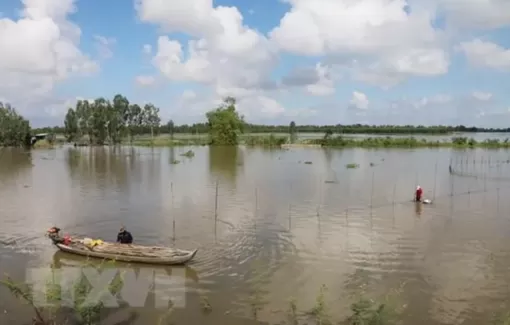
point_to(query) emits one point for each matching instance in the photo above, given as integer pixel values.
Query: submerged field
(286, 223)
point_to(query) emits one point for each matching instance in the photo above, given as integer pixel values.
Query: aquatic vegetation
(319, 311)
(352, 166)
(189, 154)
(408, 142)
(267, 141)
(292, 313)
(85, 312)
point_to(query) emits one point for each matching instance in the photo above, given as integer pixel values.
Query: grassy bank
(280, 140)
(166, 141)
(409, 142)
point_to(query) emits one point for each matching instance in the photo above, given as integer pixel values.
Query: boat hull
(159, 260)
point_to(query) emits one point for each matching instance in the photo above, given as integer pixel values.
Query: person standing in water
(418, 194)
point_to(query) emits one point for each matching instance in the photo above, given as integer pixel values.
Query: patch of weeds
(319, 311)
(189, 154)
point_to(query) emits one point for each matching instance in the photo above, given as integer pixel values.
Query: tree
(292, 128)
(71, 129)
(292, 132)
(14, 129)
(151, 118)
(171, 128)
(135, 120)
(225, 123)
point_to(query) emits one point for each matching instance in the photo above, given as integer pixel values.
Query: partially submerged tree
(109, 121)
(171, 128)
(225, 123)
(14, 129)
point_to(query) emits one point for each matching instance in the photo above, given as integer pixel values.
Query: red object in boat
(67, 240)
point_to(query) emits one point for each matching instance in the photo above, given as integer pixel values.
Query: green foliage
(408, 142)
(87, 313)
(171, 128)
(269, 141)
(189, 154)
(14, 129)
(103, 121)
(368, 312)
(225, 123)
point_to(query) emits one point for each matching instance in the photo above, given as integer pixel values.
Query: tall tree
(292, 132)
(14, 129)
(171, 128)
(135, 120)
(151, 118)
(225, 123)
(71, 128)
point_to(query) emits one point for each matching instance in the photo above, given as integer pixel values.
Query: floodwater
(283, 223)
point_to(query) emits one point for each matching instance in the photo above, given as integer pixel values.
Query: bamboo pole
(435, 182)
(216, 201)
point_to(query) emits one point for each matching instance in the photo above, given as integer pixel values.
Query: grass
(363, 311)
(281, 140)
(44, 144)
(188, 154)
(409, 142)
(84, 313)
(352, 166)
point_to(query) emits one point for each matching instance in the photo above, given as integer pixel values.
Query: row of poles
(371, 201)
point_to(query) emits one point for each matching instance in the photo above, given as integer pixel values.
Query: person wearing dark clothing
(124, 236)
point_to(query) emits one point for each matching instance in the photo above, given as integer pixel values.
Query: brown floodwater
(283, 223)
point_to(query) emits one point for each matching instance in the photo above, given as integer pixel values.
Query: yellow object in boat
(96, 242)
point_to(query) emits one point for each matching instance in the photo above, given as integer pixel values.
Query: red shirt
(419, 192)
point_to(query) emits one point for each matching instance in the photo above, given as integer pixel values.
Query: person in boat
(418, 194)
(54, 234)
(124, 236)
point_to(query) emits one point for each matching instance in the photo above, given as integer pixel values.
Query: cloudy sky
(311, 61)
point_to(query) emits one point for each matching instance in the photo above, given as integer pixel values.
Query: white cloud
(226, 55)
(359, 100)
(104, 46)
(486, 54)
(39, 50)
(481, 14)
(145, 81)
(380, 34)
(324, 85)
(481, 95)
(317, 81)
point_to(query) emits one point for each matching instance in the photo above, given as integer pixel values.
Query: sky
(423, 62)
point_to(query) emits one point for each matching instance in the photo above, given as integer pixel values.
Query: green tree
(99, 121)
(151, 118)
(292, 128)
(118, 116)
(171, 128)
(14, 129)
(225, 123)
(71, 128)
(292, 132)
(135, 120)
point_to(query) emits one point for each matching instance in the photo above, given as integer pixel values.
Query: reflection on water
(278, 228)
(225, 163)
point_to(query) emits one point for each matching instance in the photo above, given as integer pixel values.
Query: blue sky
(312, 61)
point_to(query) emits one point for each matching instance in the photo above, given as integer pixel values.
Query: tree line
(203, 128)
(104, 121)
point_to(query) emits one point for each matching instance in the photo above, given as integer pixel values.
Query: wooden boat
(123, 252)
